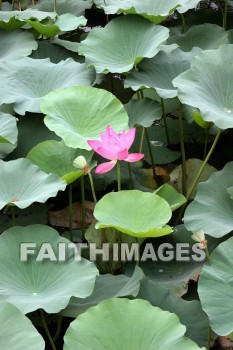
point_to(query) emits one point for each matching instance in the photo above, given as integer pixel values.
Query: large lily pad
(134, 213)
(174, 198)
(79, 114)
(57, 158)
(17, 332)
(205, 36)
(16, 45)
(76, 7)
(26, 81)
(190, 313)
(209, 87)
(159, 72)
(212, 208)
(8, 134)
(26, 184)
(143, 112)
(122, 44)
(106, 287)
(215, 288)
(154, 10)
(128, 324)
(32, 284)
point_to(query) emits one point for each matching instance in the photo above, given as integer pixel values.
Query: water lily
(114, 147)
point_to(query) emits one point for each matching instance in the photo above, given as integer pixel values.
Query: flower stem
(55, 5)
(198, 176)
(165, 121)
(142, 139)
(182, 23)
(130, 176)
(209, 337)
(184, 169)
(206, 142)
(13, 216)
(225, 15)
(47, 330)
(82, 203)
(71, 212)
(119, 176)
(92, 187)
(151, 153)
(13, 5)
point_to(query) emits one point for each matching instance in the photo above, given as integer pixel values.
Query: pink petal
(105, 167)
(108, 153)
(134, 157)
(127, 138)
(94, 144)
(122, 155)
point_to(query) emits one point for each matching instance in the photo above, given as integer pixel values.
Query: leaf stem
(151, 153)
(58, 331)
(182, 23)
(142, 139)
(225, 15)
(165, 121)
(119, 176)
(83, 203)
(47, 330)
(71, 212)
(92, 187)
(13, 5)
(209, 337)
(198, 177)
(0, 5)
(55, 5)
(130, 176)
(184, 169)
(13, 216)
(206, 142)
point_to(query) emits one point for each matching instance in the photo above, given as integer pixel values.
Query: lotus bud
(80, 163)
(199, 237)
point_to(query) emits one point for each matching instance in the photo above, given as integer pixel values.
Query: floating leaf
(42, 284)
(174, 199)
(26, 81)
(17, 331)
(192, 167)
(215, 288)
(76, 7)
(79, 114)
(154, 10)
(143, 112)
(230, 191)
(122, 44)
(158, 72)
(190, 313)
(106, 287)
(69, 45)
(208, 86)
(57, 158)
(26, 184)
(8, 134)
(117, 321)
(16, 45)
(134, 213)
(212, 208)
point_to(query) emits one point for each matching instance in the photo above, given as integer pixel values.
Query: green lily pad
(215, 288)
(122, 44)
(134, 213)
(64, 23)
(190, 313)
(143, 112)
(26, 184)
(57, 158)
(209, 87)
(16, 45)
(8, 134)
(69, 45)
(76, 7)
(205, 36)
(33, 284)
(192, 167)
(117, 321)
(11, 20)
(17, 331)
(154, 10)
(79, 114)
(159, 72)
(26, 81)
(230, 191)
(106, 287)
(174, 198)
(212, 208)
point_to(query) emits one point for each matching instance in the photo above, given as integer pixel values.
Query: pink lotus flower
(114, 147)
